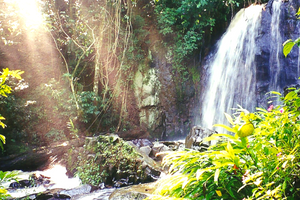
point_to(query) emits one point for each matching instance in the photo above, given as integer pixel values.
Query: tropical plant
(4, 90)
(259, 161)
(289, 44)
(4, 177)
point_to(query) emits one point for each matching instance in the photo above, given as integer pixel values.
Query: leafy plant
(4, 90)
(112, 159)
(289, 44)
(4, 177)
(259, 161)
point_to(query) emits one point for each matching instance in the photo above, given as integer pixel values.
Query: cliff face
(164, 110)
(169, 112)
(274, 71)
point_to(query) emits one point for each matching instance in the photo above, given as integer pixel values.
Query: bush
(262, 165)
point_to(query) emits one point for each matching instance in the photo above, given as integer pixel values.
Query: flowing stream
(58, 179)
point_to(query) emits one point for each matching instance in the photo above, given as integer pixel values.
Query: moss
(109, 159)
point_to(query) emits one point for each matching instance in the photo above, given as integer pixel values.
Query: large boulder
(111, 161)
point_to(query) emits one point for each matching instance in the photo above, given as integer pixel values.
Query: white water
(276, 47)
(57, 175)
(232, 71)
(58, 179)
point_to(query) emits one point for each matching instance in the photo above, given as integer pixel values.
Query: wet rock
(102, 194)
(142, 142)
(174, 145)
(34, 180)
(138, 192)
(275, 72)
(21, 184)
(53, 194)
(195, 138)
(57, 193)
(159, 148)
(84, 189)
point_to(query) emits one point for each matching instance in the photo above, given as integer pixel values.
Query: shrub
(262, 165)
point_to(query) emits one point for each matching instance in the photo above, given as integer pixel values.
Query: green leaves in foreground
(4, 90)
(4, 177)
(289, 44)
(261, 165)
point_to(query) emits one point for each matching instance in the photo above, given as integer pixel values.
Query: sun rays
(29, 12)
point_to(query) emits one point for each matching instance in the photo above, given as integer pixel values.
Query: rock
(136, 133)
(33, 181)
(53, 194)
(174, 145)
(130, 196)
(142, 142)
(146, 150)
(159, 148)
(111, 161)
(102, 194)
(21, 184)
(138, 192)
(58, 193)
(195, 138)
(84, 189)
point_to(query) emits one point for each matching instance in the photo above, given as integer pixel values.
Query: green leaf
(291, 95)
(216, 177)
(226, 127)
(298, 13)
(287, 47)
(274, 92)
(297, 41)
(2, 138)
(229, 119)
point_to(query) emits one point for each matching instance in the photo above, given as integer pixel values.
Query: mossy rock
(110, 160)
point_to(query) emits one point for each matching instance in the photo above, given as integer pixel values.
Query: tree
(4, 90)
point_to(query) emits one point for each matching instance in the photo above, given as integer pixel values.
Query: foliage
(187, 27)
(263, 165)
(97, 41)
(289, 44)
(4, 177)
(4, 90)
(112, 160)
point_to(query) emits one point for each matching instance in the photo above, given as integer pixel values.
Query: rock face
(165, 103)
(274, 71)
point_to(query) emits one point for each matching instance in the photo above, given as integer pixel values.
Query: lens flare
(29, 12)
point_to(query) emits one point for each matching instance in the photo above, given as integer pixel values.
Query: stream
(58, 180)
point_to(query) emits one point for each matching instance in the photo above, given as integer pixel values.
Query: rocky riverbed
(93, 167)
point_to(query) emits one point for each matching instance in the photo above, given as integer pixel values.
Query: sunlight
(29, 12)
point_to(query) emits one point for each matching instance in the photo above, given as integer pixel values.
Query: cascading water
(232, 70)
(249, 61)
(276, 48)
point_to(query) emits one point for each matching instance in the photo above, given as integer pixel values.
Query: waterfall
(276, 47)
(232, 70)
